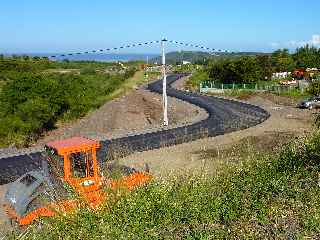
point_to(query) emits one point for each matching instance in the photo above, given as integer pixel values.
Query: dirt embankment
(137, 112)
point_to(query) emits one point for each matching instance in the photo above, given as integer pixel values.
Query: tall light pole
(164, 84)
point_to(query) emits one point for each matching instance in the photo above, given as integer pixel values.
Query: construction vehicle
(69, 167)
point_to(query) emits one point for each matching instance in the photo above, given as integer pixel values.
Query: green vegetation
(307, 57)
(201, 58)
(240, 94)
(294, 94)
(186, 68)
(264, 198)
(178, 57)
(35, 94)
(254, 69)
(314, 88)
(282, 61)
(243, 70)
(196, 78)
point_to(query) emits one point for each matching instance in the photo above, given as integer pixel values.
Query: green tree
(314, 88)
(243, 70)
(283, 61)
(265, 62)
(307, 56)
(36, 58)
(26, 57)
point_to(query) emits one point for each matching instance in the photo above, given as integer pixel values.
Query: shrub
(243, 70)
(314, 88)
(197, 78)
(31, 102)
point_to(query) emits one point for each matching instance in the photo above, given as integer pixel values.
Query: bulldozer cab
(74, 161)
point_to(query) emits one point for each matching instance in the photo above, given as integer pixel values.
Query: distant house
(308, 73)
(312, 72)
(299, 73)
(281, 75)
(186, 62)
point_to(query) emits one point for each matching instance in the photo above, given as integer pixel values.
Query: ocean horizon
(98, 57)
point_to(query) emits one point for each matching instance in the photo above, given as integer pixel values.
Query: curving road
(224, 116)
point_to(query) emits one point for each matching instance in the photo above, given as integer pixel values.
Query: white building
(281, 75)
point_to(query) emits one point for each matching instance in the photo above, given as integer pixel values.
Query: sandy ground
(285, 123)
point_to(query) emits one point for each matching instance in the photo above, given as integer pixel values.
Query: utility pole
(164, 84)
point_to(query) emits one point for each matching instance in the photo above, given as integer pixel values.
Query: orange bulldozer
(69, 165)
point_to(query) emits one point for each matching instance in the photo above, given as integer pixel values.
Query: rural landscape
(163, 139)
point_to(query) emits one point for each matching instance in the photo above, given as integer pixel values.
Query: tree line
(252, 69)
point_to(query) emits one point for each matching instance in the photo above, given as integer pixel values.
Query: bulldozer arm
(47, 211)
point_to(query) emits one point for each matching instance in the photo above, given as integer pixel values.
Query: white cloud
(315, 39)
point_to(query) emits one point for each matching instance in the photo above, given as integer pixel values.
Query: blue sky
(74, 25)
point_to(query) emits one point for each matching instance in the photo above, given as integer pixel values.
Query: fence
(209, 86)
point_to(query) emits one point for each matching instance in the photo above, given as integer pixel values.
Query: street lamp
(164, 84)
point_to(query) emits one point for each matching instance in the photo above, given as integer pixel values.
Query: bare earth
(285, 123)
(137, 112)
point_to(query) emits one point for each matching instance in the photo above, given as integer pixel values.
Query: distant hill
(198, 56)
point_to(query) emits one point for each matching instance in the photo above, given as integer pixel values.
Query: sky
(62, 26)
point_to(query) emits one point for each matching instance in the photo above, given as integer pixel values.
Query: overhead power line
(211, 50)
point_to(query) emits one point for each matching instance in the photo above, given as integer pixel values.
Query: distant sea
(101, 57)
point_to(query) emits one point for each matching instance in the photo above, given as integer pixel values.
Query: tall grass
(266, 198)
